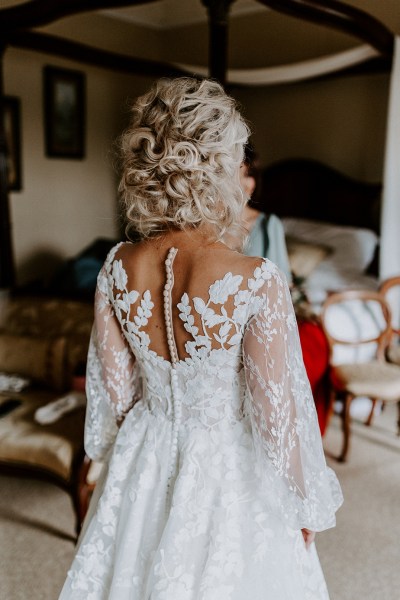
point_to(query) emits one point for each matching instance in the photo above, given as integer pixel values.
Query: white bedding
(352, 250)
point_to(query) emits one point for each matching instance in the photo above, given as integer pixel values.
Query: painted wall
(65, 204)
(341, 122)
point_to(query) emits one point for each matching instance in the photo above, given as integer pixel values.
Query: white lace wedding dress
(215, 460)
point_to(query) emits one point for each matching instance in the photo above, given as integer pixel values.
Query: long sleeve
(112, 377)
(285, 429)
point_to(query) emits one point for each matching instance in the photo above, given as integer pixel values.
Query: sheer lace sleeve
(112, 378)
(285, 428)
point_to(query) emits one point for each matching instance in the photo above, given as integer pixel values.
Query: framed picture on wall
(64, 113)
(12, 130)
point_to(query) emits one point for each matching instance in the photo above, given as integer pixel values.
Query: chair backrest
(390, 289)
(355, 318)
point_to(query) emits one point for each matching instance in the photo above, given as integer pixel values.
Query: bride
(198, 401)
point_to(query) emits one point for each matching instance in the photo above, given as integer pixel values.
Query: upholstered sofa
(46, 341)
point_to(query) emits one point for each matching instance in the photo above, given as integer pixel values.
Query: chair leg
(85, 489)
(368, 422)
(79, 495)
(330, 409)
(345, 427)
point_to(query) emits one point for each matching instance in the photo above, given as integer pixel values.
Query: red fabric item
(315, 349)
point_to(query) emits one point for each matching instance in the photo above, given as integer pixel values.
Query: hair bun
(181, 156)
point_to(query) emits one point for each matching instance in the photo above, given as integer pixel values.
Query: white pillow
(304, 257)
(353, 247)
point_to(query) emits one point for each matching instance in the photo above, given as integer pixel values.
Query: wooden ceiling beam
(56, 46)
(37, 13)
(340, 16)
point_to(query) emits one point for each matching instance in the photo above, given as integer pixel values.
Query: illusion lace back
(200, 407)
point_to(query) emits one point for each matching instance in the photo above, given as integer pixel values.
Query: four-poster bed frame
(16, 24)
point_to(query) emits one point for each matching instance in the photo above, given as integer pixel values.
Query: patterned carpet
(360, 557)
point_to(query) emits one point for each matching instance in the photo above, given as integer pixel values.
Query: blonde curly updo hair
(181, 157)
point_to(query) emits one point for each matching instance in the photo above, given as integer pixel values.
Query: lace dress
(214, 461)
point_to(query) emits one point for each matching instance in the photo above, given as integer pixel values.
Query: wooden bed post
(6, 252)
(218, 11)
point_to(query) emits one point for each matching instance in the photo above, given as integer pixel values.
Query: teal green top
(267, 239)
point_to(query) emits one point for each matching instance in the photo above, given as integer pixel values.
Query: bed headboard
(309, 189)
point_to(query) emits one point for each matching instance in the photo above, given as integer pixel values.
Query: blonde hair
(181, 157)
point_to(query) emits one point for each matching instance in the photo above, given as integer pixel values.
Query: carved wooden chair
(366, 373)
(390, 289)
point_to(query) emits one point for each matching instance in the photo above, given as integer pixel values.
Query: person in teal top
(266, 233)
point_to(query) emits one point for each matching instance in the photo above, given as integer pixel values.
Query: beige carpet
(361, 557)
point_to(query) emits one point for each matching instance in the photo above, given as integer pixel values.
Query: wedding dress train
(214, 460)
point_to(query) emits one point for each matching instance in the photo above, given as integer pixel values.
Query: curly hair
(180, 159)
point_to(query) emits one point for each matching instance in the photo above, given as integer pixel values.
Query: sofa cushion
(42, 360)
(50, 318)
(51, 448)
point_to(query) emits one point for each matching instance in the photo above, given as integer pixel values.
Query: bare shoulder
(131, 253)
(125, 250)
(250, 262)
(240, 263)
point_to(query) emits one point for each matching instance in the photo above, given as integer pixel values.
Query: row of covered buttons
(176, 399)
(177, 407)
(167, 305)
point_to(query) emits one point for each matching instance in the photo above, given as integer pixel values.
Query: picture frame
(64, 113)
(12, 131)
